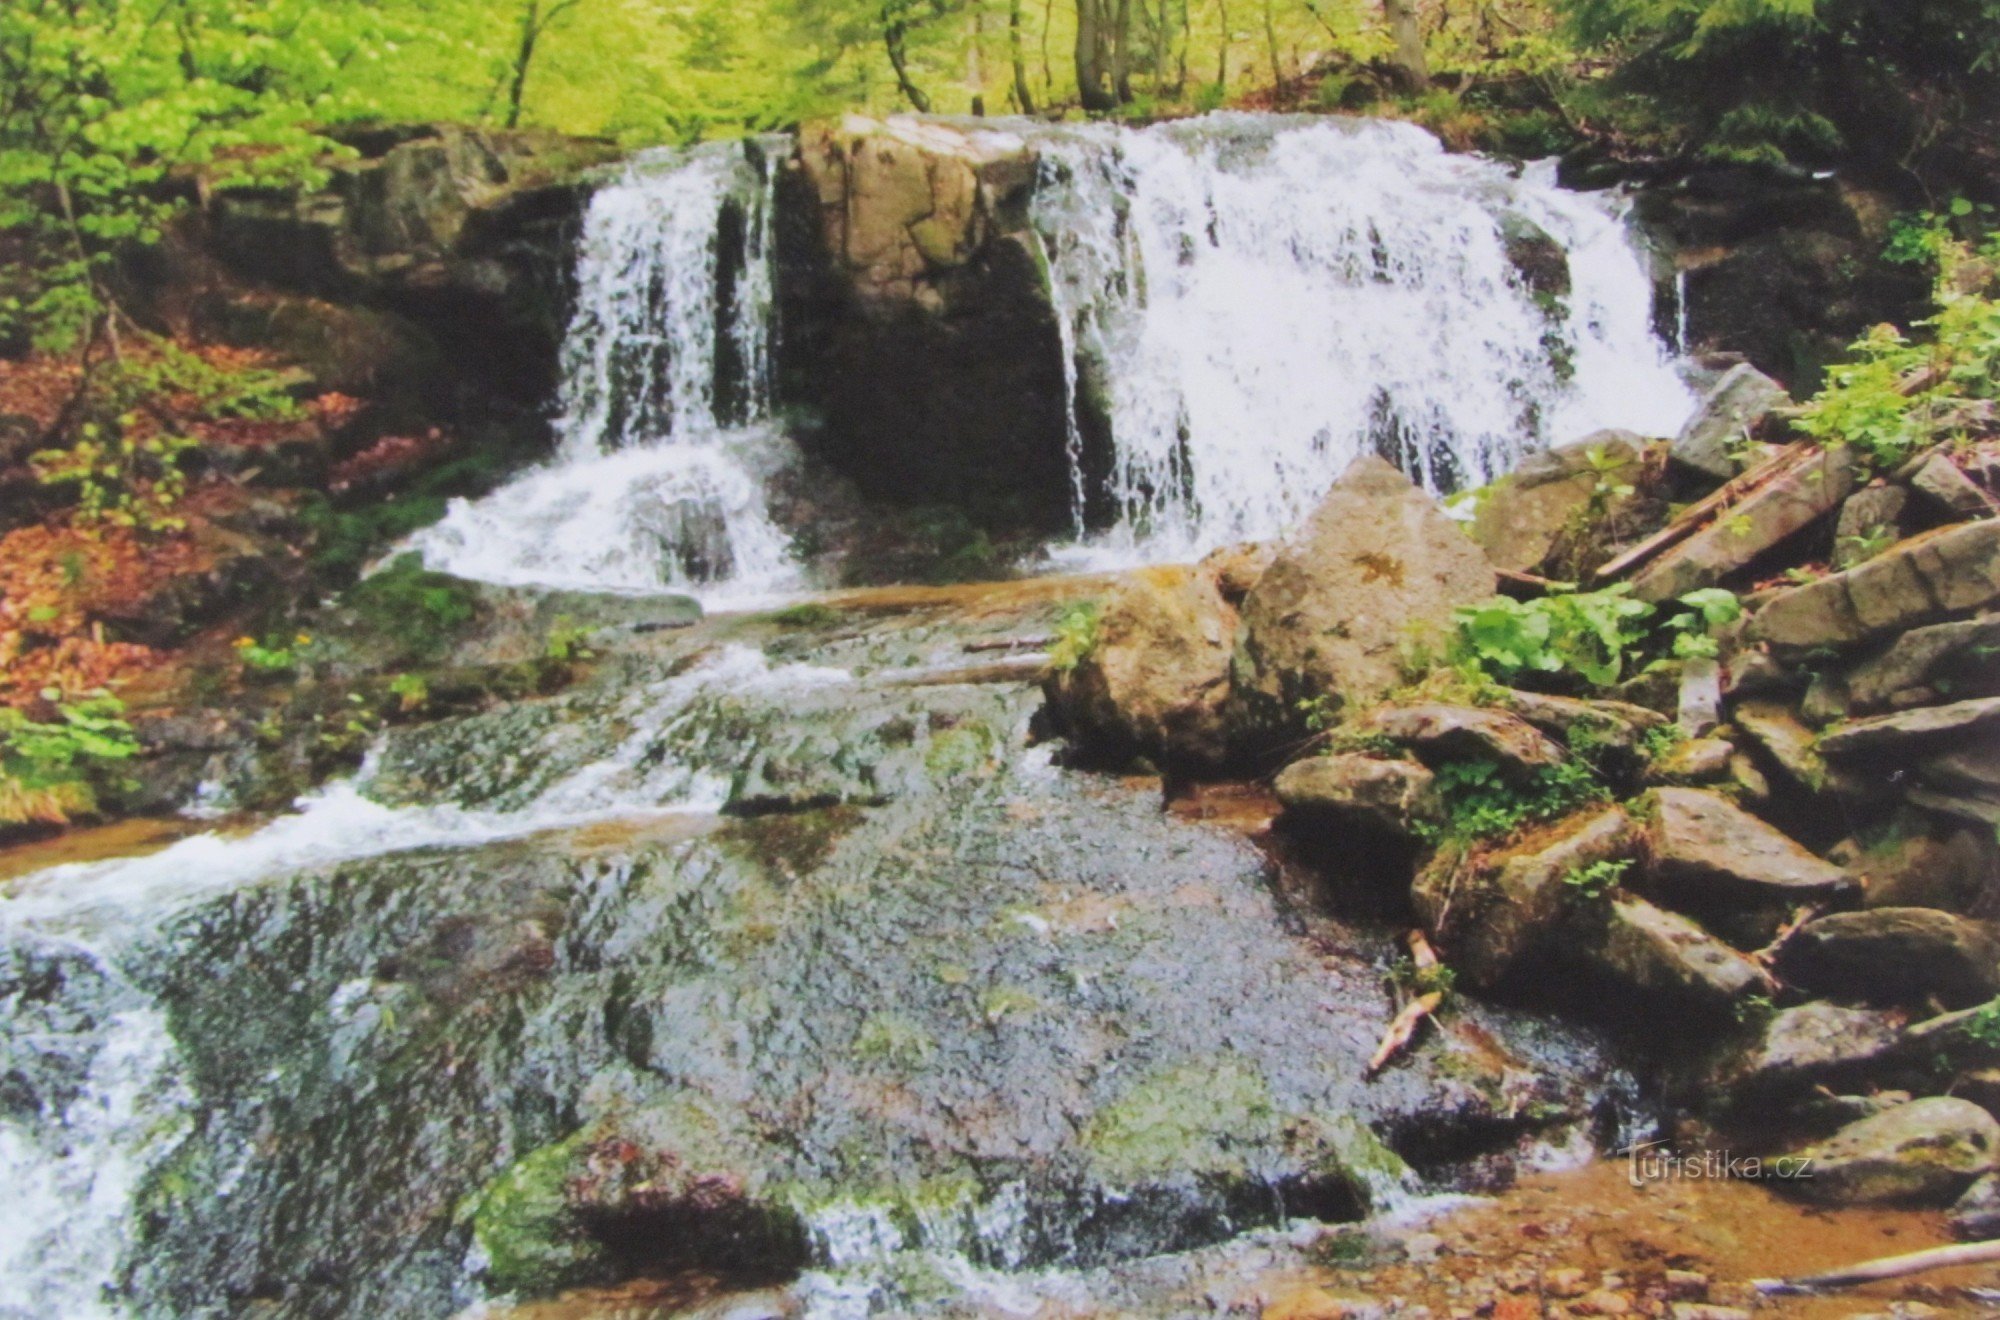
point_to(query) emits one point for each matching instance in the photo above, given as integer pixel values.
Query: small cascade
(1248, 303)
(666, 439)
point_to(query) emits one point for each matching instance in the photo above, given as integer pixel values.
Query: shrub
(53, 771)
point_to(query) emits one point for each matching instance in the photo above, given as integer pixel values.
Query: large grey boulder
(1796, 1049)
(1926, 1152)
(1522, 519)
(1727, 420)
(1376, 571)
(1156, 679)
(1889, 954)
(1661, 954)
(1917, 665)
(1923, 580)
(1902, 735)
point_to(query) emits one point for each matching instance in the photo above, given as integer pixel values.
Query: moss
(962, 750)
(787, 845)
(417, 611)
(523, 1223)
(812, 614)
(1195, 1118)
(892, 1039)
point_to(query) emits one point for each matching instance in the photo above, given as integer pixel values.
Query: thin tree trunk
(1271, 41)
(894, 31)
(1091, 88)
(1222, 56)
(975, 59)
(1048, 68)
(1024, 99)
(1121, 53)
(531, 32)
(1409, 37)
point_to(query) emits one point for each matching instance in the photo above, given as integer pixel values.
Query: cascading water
(666, 441)
(1249, 303)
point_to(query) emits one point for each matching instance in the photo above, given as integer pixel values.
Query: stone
(1982, 1087)
(1663, 955)
(1156, 679)
(1926, 1152)
(1706, 850)
(1870, 521)
(1684, 1285)
(1310, 1303)
(1945, 867)
(1796, 1050)
(1705, 1311)
(1923, 580)
(1696, 761)
(1441, 734)
(1728, 418)
(1603, 1301)
(1975, 1216)
(1235, 568)
(1756, 673)
(1971, 771)
(1489, 914)
(1917, 664)
(1743, 534)
(1900, 736)
(1700, 697)
(1943, 485)
(1750, 783)
(1388, 797)
(1521, 519)
(1377, 569)
(1618, 728)
(1892, 955)
(1773, 726)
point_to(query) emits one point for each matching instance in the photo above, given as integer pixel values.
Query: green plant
(1594, 636)
(1435, 979)
(567, 640)
(1076, 628)
(54, 770)
(411, 691)
(1693, 630)
(1481, 805)
(270, 657)
(1661, 741)
(119, 478)
(1868, 543)
(420, 611)
(810, 614)
(1598, 879)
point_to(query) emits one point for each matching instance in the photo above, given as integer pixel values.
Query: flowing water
(666, 439)
(1251, 303)
(781, 931)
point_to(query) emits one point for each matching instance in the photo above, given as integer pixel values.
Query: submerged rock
(1377, 569)
(1924, 1152)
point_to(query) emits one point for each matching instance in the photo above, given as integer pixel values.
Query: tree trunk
(531, 32)
(1121, 52)
(975, 59)
(1222, 52)
(894, 31)
(1091, 86)
(1271, 41)
(1409, 36)
(1024, 99)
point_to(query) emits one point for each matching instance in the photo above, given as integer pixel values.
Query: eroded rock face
(1924, 1152)
(917, 319)
(1377, 569)
(1923, 580)
(1156, 682)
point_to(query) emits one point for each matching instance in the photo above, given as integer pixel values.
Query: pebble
(1565, 1283)
(1702, 1311)
(1603, 1301)
(1686, 1286)
(1422, 1248)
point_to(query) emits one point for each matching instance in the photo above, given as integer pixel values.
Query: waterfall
(1247, 303)
(666, 442)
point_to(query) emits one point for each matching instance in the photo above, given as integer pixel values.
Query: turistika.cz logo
(1655, 1161)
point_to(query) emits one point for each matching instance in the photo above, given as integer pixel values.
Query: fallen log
(1697, 515)
(1888, 1267)
(1403, 1027)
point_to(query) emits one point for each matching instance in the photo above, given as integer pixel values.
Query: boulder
(1923, 580)
(1896, 955)
(1870, 520)
(1388, 797)
(1236, 568)
(1661, 954)
(1593, 726)
(1376, 570)
(1696, 761)
(1776, 728)
(1488, 913)
(1728, 418)
(1796, 1050)
(1156, 679)
(918, 325)
(1943, 485)
(1917, 666)
(1522, 518)
(1975, 1216)
(1440, 734)
(1971, 771)
(1947, 868)
(1766, 518)
(1707, 851)
(1925, 1152)
(1899, 737)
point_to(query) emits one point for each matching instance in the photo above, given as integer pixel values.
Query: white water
(666, 446)
(1259, 303)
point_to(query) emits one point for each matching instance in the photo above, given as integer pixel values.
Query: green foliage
(1592, 636)
(1982, 1027)
(1480, 805)
(53, 770)
(1595, 881)
(811, 614)
(1076, 635)
(270, 657)
(1901, 394)
(567, 641)
(420, 610)
(120, 479)
(411, 691)
(1434, 979)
